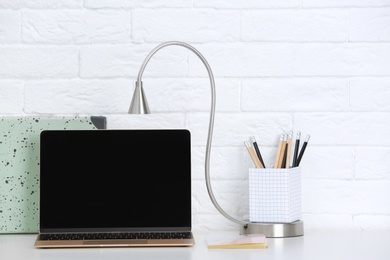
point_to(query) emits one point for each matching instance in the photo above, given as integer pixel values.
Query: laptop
(115, 188)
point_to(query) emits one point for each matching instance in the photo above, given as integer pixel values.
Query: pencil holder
(274, 195)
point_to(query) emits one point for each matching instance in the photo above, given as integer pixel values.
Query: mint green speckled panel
(19, 166)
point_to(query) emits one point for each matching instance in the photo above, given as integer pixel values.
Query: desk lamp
(139, 105)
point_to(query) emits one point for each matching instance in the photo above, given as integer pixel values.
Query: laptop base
(115, 239)
(117, 243)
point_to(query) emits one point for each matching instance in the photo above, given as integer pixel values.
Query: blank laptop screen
(115, 180)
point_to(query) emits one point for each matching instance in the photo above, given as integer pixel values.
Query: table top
(330, 245)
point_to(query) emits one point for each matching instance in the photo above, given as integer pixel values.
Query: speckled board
(19, 166)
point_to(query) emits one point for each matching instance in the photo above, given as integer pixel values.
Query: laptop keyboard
(131, 235)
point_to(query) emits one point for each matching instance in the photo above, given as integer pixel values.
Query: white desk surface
(367, 245)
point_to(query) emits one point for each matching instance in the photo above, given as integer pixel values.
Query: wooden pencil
(278, 152)
(282, 152)
(253, 155)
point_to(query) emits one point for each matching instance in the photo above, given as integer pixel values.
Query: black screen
(115, 179)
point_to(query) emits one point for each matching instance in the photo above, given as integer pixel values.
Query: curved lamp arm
(139, 91)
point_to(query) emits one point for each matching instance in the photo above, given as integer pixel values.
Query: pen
(278, 151)
(296, 149)
(253, 156)
(303, 149)
(284, 161)
(257, 150)
(289, 146)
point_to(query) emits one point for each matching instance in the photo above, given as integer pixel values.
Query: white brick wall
(320, 67)
(75, 26)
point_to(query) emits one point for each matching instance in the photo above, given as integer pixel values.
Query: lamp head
(139, 104)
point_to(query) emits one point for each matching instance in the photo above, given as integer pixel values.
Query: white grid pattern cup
(274, 195)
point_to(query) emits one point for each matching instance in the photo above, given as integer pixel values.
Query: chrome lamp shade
(139, 104)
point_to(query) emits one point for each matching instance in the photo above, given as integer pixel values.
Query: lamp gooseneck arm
(211, 121)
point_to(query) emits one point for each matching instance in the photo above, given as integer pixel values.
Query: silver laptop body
(115, 188)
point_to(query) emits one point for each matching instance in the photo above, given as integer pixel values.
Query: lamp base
(293, 229)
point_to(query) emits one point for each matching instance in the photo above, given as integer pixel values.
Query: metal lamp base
(293, 229)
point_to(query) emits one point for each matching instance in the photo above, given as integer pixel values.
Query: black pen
(289, 146)
(257, 150)
(303, 149)
(284, 162)
(296, 150)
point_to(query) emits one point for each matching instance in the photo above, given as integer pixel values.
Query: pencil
(257, 150)
(289, 146)
(253, 156)
(278, 151)
(303, 149)
(296, 149)
(282, 150)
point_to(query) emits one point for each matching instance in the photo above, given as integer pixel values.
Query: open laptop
(115, 188)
